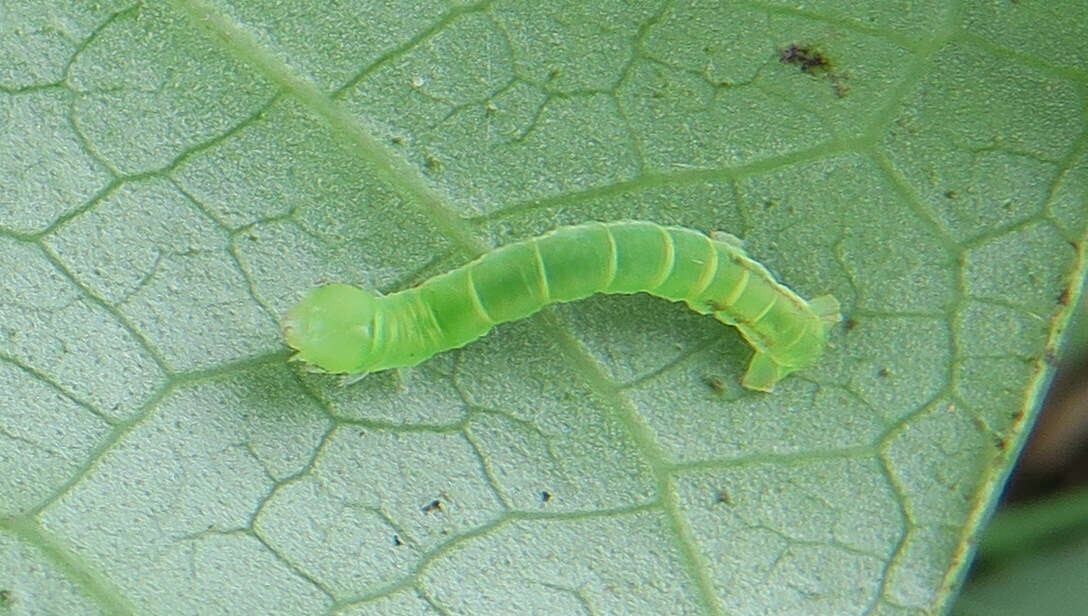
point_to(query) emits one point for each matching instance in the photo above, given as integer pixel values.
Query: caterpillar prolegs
(343, 329)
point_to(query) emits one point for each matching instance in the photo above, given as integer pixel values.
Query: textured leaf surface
(173, 176)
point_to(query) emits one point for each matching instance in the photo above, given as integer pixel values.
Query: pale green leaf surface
(173, 176)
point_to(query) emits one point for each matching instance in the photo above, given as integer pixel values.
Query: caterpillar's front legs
(396, 374)
(351, 379)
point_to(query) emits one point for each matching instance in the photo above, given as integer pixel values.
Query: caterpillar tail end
(827, 308)
(763, 372)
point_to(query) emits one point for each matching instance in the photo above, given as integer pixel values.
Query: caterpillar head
(332, 328)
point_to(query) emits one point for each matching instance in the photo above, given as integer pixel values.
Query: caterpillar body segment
(343, 329)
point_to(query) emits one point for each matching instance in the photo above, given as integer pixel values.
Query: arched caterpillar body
(343, 329)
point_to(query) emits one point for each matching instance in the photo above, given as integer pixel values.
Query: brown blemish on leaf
(1050, 356)
(716, 384)
(807, 59)
(432, 164)
(814, 62)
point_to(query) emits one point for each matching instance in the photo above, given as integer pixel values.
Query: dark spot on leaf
(1050, 356)
(545, 496)
(951, 194)
(806, 58)
(1064, 298)
(814, 62)
(883, 372)
(715, 383)
(396, 541)
(431, 163)
(431, 507)
(721, 497)
(850, 324)
(5, 597)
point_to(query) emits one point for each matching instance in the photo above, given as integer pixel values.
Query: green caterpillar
(343, 329)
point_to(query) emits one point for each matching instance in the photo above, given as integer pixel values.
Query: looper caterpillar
(343, 329)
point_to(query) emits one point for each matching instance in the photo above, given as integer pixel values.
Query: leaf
(174, 176)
